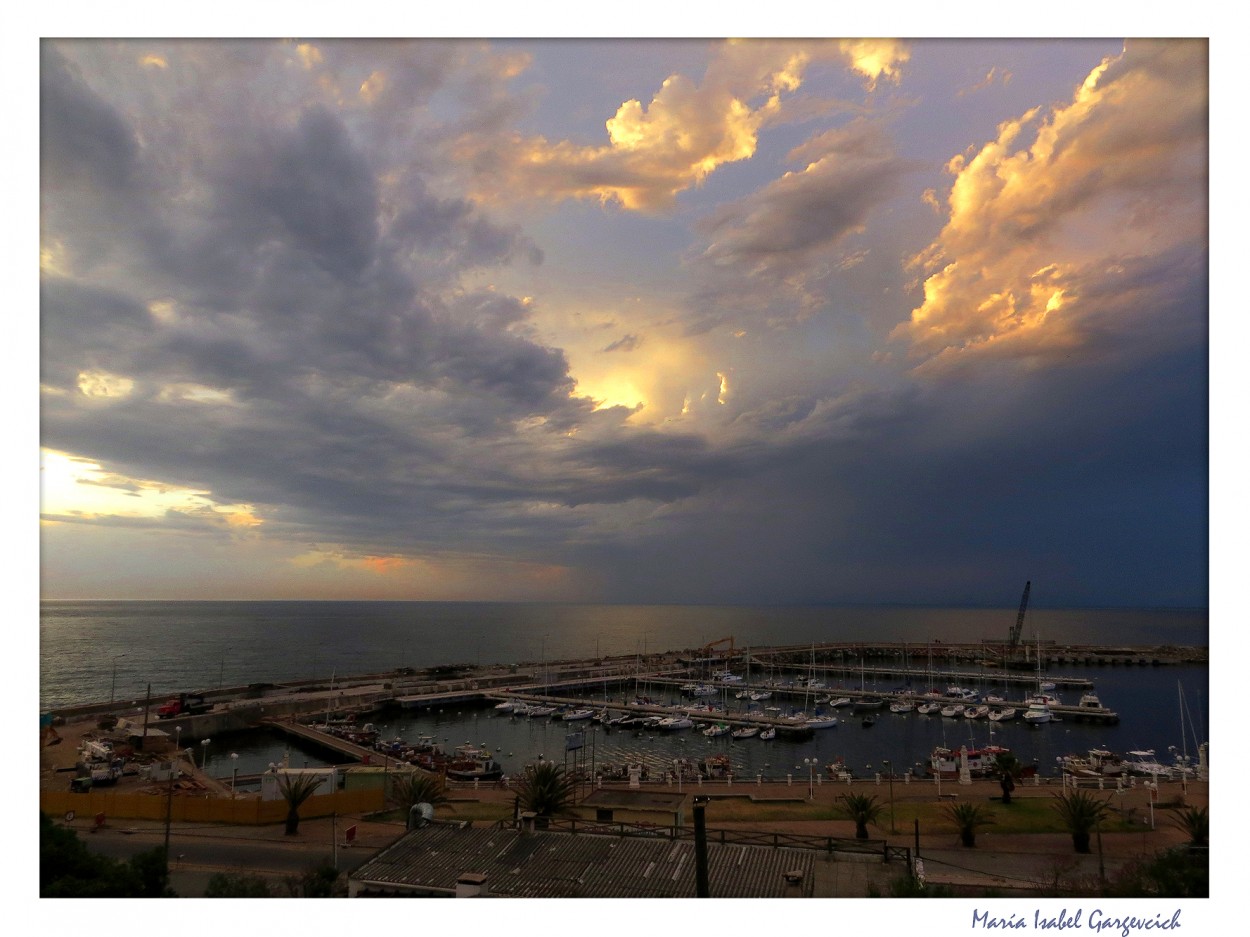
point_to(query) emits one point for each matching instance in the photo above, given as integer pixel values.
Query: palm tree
(546, 789)
(295, 790)
(1195, 824)
(1081, 814)
(968, 818)
(1007, 767)
(863, 810)
(418, 787)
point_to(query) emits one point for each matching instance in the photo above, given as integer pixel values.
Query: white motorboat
(954, 711)
(1038, 713)
(902, 706)
(976, 712)
(576, 715)
(506, 706)
(761, 695)
(1044, 698)
(929, 708)
(768, 734)
(1145, 763)
(717, 730)
(745, 732)
(673, 723)
(539, 711)
(1002, 714)
(820, 721)
(840, 701)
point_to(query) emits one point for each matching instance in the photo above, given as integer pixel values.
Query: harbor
(670, 712)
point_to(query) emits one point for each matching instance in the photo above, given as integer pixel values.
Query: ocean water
(96, 651)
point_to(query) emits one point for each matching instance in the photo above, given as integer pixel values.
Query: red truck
(184, 704)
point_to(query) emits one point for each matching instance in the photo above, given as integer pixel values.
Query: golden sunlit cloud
(153, 60)
(1115, 174)
(72, 487)
(194, 393)
(877, 59)
(659, 149)
(102, 384)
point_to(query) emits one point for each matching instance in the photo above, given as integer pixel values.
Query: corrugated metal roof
(564, 865)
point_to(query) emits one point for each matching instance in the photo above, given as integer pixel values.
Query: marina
(777, 721)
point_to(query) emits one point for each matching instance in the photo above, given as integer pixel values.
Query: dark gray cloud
(301, 299)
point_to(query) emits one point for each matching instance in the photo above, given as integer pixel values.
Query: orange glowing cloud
(1119, 173)
(657, 150)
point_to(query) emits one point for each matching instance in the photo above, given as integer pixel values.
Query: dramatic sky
(625, 320)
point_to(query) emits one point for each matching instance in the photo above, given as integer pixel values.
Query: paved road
(197, 854)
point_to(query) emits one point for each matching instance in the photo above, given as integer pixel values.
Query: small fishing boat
(976, 712)
(838, 771)
(745, 732)
(953, 711)
(869, 721)
(902, 706)
(840, 701)
(717, 730)
(537, 712)
(767, 735)
(1002, 714)
(576, 715)
(760, 695)
(929, 708)
(468, 763)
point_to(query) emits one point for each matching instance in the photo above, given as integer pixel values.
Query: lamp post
(169, 796)
(811, 777)
(234, 778)
(204, 754)
(113, 685)
(889, 770)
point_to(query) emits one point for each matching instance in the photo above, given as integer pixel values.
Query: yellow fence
(206, 809)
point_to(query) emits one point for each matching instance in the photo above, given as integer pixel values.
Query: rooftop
(545, 864)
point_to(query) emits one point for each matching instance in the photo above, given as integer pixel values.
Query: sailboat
(1038, 712)
(818, 720)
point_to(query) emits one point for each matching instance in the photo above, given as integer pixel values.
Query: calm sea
(91, 651)
(94, 651)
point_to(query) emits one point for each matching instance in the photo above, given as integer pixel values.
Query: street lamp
(204, 754)
(811, 777)
(234, 778)
(889, 770)
(113, 686)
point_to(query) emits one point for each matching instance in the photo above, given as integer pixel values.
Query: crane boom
(1024, 603)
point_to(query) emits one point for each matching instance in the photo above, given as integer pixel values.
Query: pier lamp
(234, 778)
(811, 777)
(889, 770)
(204, 754)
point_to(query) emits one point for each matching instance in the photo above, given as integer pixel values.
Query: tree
(1195, 824)
(546, 789)
(225, 885)
(863, 810)
(968, 818)
(418, 787)
(1008, 768)
(296, 789)
(321, 881)
(68, 869)
(1081, 813)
